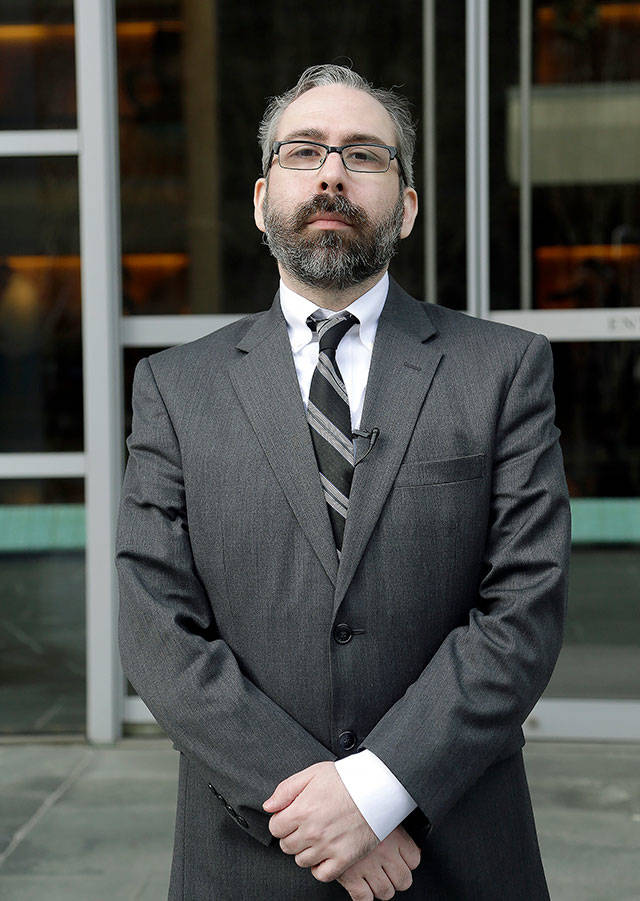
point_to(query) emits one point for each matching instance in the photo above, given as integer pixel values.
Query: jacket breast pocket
(440, 472)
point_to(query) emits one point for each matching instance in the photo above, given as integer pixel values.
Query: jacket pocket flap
(439, 472)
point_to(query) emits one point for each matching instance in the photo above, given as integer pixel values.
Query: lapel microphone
(364, 442)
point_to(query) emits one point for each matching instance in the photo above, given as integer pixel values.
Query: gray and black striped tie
(330, 420)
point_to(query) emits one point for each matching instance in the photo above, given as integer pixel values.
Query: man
(343, 549)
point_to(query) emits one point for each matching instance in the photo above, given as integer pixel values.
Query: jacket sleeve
(186, 674)
(467, 706)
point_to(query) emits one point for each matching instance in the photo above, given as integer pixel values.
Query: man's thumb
(286, 792)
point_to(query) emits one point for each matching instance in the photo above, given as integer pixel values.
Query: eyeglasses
(356, 157)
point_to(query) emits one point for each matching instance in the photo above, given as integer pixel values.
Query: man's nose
(331, 175)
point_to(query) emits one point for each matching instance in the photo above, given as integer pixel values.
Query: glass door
(193, 81)
(42, 498)
(564, 239)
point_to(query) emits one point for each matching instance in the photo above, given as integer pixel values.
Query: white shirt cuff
(381, 799)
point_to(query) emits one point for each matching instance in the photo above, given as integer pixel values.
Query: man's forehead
(336, 110)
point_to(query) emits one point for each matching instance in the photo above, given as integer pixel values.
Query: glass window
(585, 164)
(37, 65)
(451, 178)
(193, 84)
(584, 254)
(42, 623)
(600, 655)
(40, 306)
(597, 387)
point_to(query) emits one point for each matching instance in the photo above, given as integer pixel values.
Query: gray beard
(332, 259)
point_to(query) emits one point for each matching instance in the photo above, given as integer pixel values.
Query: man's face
(329, 227)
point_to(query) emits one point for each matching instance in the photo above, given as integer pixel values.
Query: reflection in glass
(600, 655)
(42, 620)
(193, 84)
(597, 389)
(587, 42)
(152, 163)
(40, 306)
(451, 182)
(37, 65)
(585, 163)
(27, 493)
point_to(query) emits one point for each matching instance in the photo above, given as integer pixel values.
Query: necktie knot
(331, 331)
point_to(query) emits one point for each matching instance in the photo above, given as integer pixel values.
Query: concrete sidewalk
(96, 824)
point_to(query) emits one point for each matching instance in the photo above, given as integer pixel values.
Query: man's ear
(259, 193)
(410, 200)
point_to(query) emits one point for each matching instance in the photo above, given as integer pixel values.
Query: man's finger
(357, 888)
(410, 853)
(309, 857)
(293, 843)
(380, 885)
(398, 873)
(328, 870)
(281, 825)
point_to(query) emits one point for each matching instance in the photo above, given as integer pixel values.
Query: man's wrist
(381, 799)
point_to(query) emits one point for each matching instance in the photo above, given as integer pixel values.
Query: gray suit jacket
(452, 581)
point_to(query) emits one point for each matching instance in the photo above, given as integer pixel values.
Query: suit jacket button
(342, 633)
(216, 793)
(242, 822)
(347, 740)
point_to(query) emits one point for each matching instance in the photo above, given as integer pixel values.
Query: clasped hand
(318, 822)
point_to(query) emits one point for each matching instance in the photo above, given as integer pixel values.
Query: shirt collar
(296, 309)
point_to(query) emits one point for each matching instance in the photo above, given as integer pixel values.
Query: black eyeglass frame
(393, 155)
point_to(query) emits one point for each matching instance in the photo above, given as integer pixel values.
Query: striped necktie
(330, 420)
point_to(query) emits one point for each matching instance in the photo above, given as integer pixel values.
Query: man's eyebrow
(314, 134)
(358, 137)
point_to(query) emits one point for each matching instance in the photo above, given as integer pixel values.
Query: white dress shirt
(381, 798)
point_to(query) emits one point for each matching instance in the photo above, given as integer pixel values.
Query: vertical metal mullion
(483, 158)
(429, 143)
(477, 147)
(103, 409)
(525, 155)
(471, 142)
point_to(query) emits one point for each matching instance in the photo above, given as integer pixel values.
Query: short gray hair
(396, 106)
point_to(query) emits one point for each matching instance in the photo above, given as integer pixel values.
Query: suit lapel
(265, 381)
(403, 365)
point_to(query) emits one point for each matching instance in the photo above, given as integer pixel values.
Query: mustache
(338, 205)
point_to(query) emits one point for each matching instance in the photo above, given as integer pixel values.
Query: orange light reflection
(40, 33)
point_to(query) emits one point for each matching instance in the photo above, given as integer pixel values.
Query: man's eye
(364, 155)
(304, 150)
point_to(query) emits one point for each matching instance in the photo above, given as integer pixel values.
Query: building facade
(128, 154)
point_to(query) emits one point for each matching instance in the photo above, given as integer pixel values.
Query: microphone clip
(363, 442)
